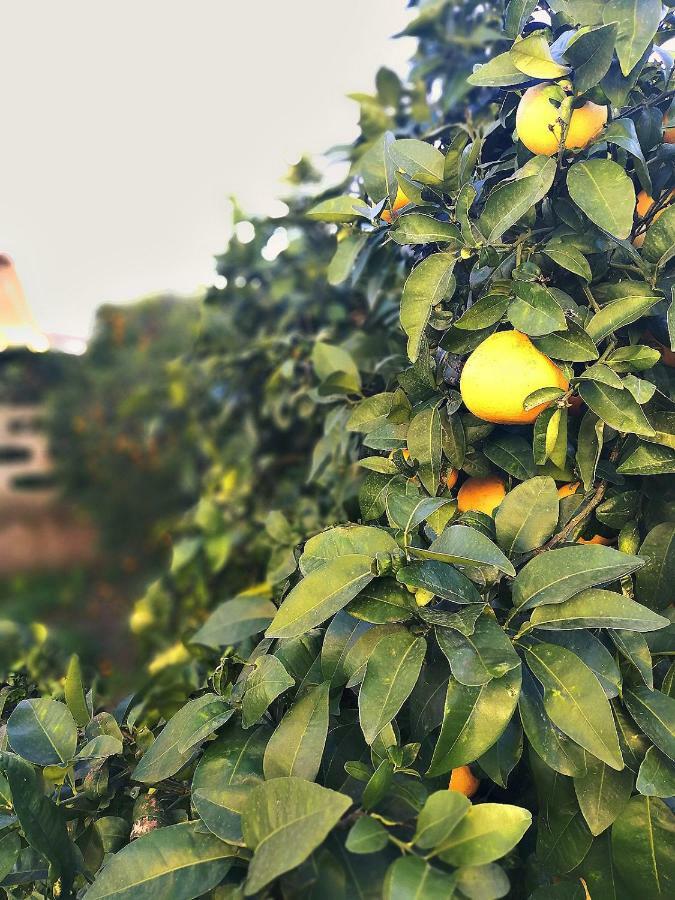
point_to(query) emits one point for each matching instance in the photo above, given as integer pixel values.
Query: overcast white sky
(126, 125)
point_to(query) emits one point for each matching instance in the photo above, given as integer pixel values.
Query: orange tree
(465, 691)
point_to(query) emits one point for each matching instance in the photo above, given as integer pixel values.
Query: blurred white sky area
(126, 125)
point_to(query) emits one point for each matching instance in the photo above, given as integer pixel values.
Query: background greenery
(311, 685)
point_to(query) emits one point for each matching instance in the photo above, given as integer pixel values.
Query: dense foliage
(338, 674)
(117, 425)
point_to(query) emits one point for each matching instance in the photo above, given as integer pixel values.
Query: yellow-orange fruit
(501, 372)
(399, 202)
(669, 133)
(566, 490)
(451, 479)
(463, 781)
(538, 121)
(596, 539)
(481, 494)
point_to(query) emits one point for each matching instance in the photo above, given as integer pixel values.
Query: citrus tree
(465, 690)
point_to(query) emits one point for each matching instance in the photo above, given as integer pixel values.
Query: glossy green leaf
(511, 453)
(179, 861)
(602, 190)
(420, 228)
(284, 820)
(473, 719)
(559, 574)
(637, 23)
(602, 793)
(42, 731)
(535, 311)
(461, 545)
(234, 621)
(656, 777)
(573, 345)
(477, 658)
(590, 54)
(503, 756)
(527, 516)
(487, 832)
(597, 608)
(266, 682)
(429, 282)
(74, 693)
(511, 199)
(419, 160)
(296, 745)
(411, 876)
(367, 835)
(654, 582)
(654, 712)
(321, 594)
(438, 818)
(643, 848)
(337, 209)
(532, 55)
(574, 701)
(425, 446)
(391, 674)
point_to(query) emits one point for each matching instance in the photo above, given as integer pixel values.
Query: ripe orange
(464, 781)
(538, 120)
(501, 372)
(481, 494)
(566, 490)
(451, 479)
(399, 202)
(596, 539)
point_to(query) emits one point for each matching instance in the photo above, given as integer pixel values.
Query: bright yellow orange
(596, 539)
(451, 479)
(538, 121)
(464, 781)
(399, 202)
(501, 372)
(481, 494)
(566, 490)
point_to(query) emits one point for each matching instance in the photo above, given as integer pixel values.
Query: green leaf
(653, 583)
(441, 579)
(487, 882)
(42, 731)
(486, 311)
(234, 621)
(602, 190)
(654, 712)
(642, 848)
(487, 832)
(590, 54)
(284, 820)
(174, 746)
(656, 777)
(647, 459)
(10, 845)
(596, 608)
(74, 693)
(425, 446)
(573, 345)
(391, 674)
(497, 72)
(100, 747)
(330, 361)
(618, 409)
(563, 838)
(421, 228)
(568, 257)
(504, 755)
(227, 772)
(473, 719)
(532, 55)
(575, 701)
(381, 602)
(513, 454)
(367, 835)
(589, 447)
(602, 794)
(637, 23)
(420, 161)
(634, 301)
(321, 594)
(511, 199)
(527, 516)
(517, 14)
(344, 259)
(340, 636)
(535, 310)
(559, 574)
(428, 284)
(41, 821)
(558, 751)
(179, 861)
(296, 746)
(345, 540)
(337, 209)
(461, 545)
(636, 650)
(592, 651)
(479, 657)
(440, 815)
(266, 682)
(411, 876)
